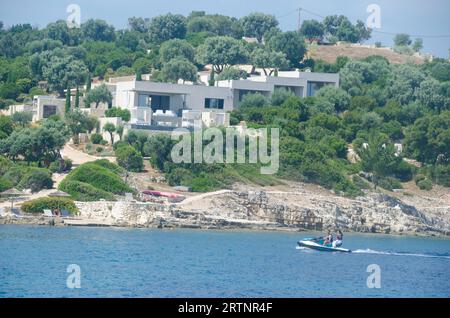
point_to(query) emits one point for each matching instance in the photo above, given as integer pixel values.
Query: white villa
(156, 106)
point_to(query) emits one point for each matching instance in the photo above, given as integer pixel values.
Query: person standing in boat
(328, 239)
(339, 238)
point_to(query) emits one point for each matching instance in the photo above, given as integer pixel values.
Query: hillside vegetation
(379, 103)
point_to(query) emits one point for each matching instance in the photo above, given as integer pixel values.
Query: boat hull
(319, 247)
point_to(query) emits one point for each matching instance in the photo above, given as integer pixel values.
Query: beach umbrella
(12, 193)
(59, 194)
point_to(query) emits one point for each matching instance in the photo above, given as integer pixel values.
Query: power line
(413, 35)
(373, 30)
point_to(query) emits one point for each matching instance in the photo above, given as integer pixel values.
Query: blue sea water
(118, 262)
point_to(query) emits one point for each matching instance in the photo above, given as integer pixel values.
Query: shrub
(202, 184)
(129, 158)
(439, 173)
(425, 184)
(360, 182)
(96, 138)
(5, 184)
(403, 171)
(99, 149)
(36, 180)
(5, 165)
(419, 178)
(108, 165)
(61, 165)
(118, 112)
(118, 144)
(280, 95)
(81, 191)
(254, 100)
(38, 205)
(389, 183)
(15, 174)
(98, 177)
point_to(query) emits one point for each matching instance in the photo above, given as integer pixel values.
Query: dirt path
(78, 157)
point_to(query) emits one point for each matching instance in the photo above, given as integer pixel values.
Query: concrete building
(165, 106)
(155, 105)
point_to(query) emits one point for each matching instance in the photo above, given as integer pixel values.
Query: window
(156, 102)
(49, 110)
(214, 103)
(313, 87)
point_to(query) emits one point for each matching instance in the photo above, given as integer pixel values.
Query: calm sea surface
(192, 263)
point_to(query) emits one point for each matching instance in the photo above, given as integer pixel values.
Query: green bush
(202, 184)
(425, 184)
(360, 182)
(96, 139)
(419, 178)
(61, 165)
(99, 149)
(5, 165)
(440, 174)
(254, 100)
(81, 191)
(403, 171)
(5, 184)
(118, 144)
(15, 174)
(39, 205)
(390, 183)
(36, 180)
(108, 165)
(98, 177)
(129, 158)
(118, 112)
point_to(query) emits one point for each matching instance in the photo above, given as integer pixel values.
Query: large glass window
(156, 102)
(313, 87)
(215, 103)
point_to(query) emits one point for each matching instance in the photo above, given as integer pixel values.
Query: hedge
(81, 191)
(38, 205)
(109, 165)
(36, 179)
(15, 174)
(5, 184)
(99, 177)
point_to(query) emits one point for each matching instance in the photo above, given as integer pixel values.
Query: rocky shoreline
(262, 210)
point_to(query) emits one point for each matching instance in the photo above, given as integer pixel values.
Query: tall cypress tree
(77, 98)
(212, 81)
(67, 109)
(88, 83)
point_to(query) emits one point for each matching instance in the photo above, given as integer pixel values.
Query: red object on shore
(161, 194)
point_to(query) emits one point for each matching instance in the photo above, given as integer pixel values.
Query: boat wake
(369, 251)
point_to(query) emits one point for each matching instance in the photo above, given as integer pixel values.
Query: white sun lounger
(48, 213)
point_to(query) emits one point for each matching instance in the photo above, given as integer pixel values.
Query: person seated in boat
(339, 238)
(328, 239)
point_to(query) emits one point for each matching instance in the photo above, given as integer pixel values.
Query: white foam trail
(369, 251)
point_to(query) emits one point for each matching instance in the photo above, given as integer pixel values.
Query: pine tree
(67, 108)
(77, 98)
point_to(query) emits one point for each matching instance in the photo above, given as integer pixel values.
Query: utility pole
(299, 19)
